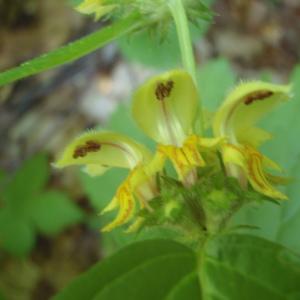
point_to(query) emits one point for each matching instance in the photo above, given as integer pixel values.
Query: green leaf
(150, 51)
(145, 270)
(72, 51)
(246, 267)
(215, 79)
(17, 237)
(285, 149)
(29, 180)
(289, 219)
(54, 211)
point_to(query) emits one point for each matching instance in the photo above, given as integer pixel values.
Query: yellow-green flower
(97, 7)
(235, 120)
(98, 151)
(165, 108)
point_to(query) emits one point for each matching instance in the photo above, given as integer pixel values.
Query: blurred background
(49, 227)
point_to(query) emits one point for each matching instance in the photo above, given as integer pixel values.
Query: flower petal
(246, 161)
(104, 149)
(233, 155)
(245, 105)
(112, 205)
(165, 107)
(252, 136)
(126, 203)
(137, 183)
(258, 178)
(185, 158)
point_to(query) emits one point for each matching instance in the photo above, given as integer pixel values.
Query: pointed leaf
(53, 212)
(29, 180)
(145, 270)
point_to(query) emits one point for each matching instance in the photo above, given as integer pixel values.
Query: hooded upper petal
(98, 150)
(244, 106)
(165, 107)
(235, 120)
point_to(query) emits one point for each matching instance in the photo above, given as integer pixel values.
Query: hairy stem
(186, 47)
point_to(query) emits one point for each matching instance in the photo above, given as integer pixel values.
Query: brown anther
(92, 146)
(164, 90)
(82, 151)
(79, 152)
(257, 96)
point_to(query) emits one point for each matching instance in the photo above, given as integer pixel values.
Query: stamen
(255, 96)
(82, 151)
(164, 90)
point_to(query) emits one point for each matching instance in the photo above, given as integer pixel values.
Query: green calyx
(153, 12)
(198, 211)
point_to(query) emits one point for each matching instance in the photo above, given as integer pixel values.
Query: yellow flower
(98, 151)
(235, 120)
(97, 7)
(165, 108)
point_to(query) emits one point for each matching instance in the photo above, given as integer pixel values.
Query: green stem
(73, 50)
(186, 47)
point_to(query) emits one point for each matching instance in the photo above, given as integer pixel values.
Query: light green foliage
(123, 116)
(151, 51)
(215, 79)
(247, 267)
(145, 270)
(156, 51)
(27, 208)
(54, 211)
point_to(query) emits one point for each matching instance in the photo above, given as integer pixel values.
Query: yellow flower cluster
(165, 108)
